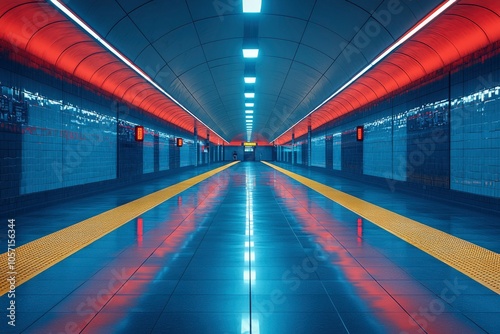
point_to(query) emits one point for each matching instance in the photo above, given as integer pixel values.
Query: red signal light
(139, 133)
(360, 133)
(179, 142)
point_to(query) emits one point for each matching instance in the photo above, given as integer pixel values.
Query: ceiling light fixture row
(250, 54)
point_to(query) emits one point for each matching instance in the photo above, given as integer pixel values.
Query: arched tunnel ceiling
(308, 50)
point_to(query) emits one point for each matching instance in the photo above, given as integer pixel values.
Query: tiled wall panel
(377, 144)
(318, 153)
(163, 151)
(148, 156)
(475, 130)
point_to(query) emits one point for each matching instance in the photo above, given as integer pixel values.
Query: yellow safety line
(480, 264)
(36, 256)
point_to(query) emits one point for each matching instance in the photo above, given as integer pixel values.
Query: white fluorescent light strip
(108, 46)
(252, 6)
(250, 80)
(250, 53)
(248, 116)
(248, 111)
(249, 104)
(249, 95)
(384, 54)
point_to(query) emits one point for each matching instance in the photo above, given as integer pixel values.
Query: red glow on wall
(139, 133)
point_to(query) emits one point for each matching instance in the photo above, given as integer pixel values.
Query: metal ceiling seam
(324, 116)
(109, 77)
(141, 96)
(341, 105)
(12, 8)
(127, 89)
(390, 63)
(151, 101)
(382, 73)
(367, 87)
(89, 56)
(416, 61)
(476, 24)
(444, 37)
(40, 30)
(372, 76)
(124, 85)
(97, 70)
(345, 96)
(61, 57)
(156, 106)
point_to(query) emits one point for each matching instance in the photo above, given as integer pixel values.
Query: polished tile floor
(252, 251)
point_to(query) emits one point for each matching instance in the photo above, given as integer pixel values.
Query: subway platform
(250, 249)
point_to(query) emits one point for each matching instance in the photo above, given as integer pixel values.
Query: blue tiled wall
(337, 151)
(186, 153)
(399, 146)
(148, 156)
(65, 145)
(441, 135)
(298, 148)
(475, 129)
(318, 153)
(60, 139)
(377, 144)
(352, 152)
(163, 151)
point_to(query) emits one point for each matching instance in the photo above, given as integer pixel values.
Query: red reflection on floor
(370, 297)
(132, 292)
(139, 231)
(360, 231)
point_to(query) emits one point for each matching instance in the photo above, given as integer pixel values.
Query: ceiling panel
(323, 40)
(213, 29)
(176, 42)
(171, 15)
(150, 61)
(341, 17)
(121, 35)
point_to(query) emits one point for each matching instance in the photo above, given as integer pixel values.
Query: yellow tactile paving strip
(480, 264)
(39, 255)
